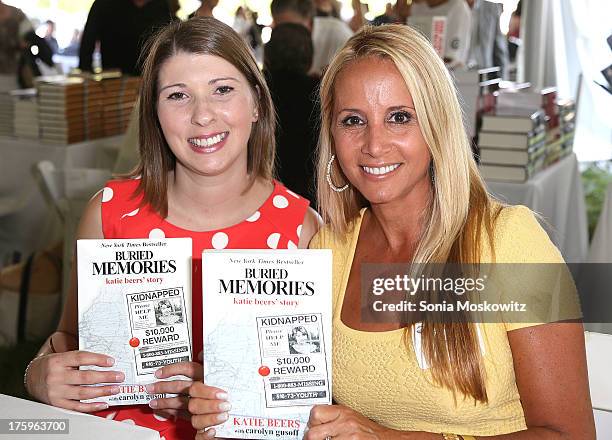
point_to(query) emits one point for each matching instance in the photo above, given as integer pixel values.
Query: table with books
(557, 194)
(525, 155)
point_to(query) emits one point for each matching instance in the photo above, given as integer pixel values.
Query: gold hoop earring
(329, 180)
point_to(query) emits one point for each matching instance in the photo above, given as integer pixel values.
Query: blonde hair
(460, 205)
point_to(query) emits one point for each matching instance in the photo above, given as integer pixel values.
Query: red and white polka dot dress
(277, 224)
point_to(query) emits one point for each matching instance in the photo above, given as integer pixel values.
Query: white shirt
(328, 35)
(458, 27)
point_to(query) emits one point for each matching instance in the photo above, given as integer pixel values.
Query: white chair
(599, 359)
(67, 192)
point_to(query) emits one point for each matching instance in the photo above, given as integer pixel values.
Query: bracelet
(449, 436)
(25, 375)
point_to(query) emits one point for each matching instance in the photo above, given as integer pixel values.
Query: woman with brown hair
(397, 183)
(206, 172)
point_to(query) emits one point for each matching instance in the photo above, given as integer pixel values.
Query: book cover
(267, 337)
(135, 305)
(512, 120)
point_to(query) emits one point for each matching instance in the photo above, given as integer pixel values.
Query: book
(510, 173)
(516, 141)
(498, 156)
(512, 120)
(134, 299)
(267, 337)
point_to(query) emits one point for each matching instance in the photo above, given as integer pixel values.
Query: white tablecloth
(557, 194)
(599, 358)
(81, 426)
(26, 222)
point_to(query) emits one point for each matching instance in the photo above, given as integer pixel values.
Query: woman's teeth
(380, 170)
(208, 142)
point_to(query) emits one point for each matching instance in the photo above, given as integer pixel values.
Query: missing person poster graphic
(267, 337)
(135, 305)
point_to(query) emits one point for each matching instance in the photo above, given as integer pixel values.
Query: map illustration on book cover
(267, 337)
(135, 305)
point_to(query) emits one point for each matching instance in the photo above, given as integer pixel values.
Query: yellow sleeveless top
(377, 374)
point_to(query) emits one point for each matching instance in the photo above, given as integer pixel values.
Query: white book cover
(267, 337)
(135, 305)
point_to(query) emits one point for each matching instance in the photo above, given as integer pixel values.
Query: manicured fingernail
(102, 406)
(210, 433)
(158, 373)
(150, 388)
(115, 390)
(153, 404)
(225, 406)
(221, 396)
(222, 417)
(110, 361)
(119, 377)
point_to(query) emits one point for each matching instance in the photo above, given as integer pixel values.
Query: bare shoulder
(90, 225)
(312, 223)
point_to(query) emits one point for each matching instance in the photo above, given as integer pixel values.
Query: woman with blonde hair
(397, 183)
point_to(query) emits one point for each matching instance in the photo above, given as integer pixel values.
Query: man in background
(121, 27)
(50, 38)
(328, 33)
(488, 46)
(458, 26)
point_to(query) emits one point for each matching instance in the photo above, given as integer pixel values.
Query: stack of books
(25, 116)
(560, 139)
(60, 109)
(93, 108)
(512, 144)
(120, 96)
(6, 114)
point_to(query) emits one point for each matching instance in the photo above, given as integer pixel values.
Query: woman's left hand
(338, 422)
(176, 406)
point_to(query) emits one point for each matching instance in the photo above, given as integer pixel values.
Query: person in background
(13, 26)
(458, 27)
(387, 17)
(73, 47)
(328, 33)
(327, 8)
(514, 30)
(121, 27)
(287, 60)
(49, 37)
(358, 19)
(488, 46)
(205, 10)
(207, 148)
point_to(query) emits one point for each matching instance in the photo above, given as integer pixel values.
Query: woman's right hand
(209, 407)
(55, 379)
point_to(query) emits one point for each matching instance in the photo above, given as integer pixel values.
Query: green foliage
(595, 179)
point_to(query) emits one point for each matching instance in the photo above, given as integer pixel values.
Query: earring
(432, 174)
(329, 180)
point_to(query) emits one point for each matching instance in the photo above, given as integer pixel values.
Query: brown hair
(460, 211)
(206, 36)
